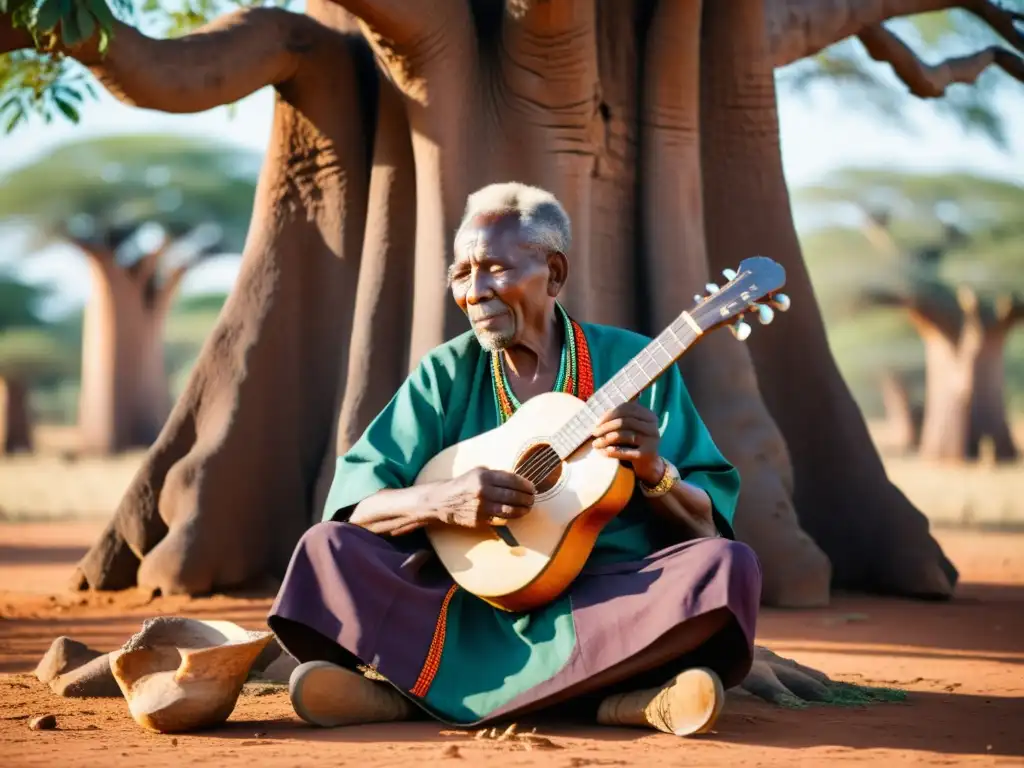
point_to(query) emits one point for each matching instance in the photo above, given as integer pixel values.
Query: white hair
(542, 218)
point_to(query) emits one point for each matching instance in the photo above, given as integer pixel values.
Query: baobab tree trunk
(228, 487)
(15, 417)
(964, 371)
(124, 398)
(843, 497)
(989, 421)
(560, 133)
(964, 338)
(657, 184)
(719, 371)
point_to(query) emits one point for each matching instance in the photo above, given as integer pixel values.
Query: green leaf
(86, 22)
(70, 31)
(69, 111)
(48, 15)
(17, 117)
(103, 14)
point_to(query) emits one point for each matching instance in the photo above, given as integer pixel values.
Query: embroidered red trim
(433, 660)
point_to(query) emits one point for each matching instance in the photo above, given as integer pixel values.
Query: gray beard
(492, 342)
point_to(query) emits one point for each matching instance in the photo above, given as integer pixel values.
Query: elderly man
(660, 621)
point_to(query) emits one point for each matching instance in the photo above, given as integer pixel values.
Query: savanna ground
(961, 662)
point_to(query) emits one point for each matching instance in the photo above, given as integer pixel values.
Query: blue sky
(819, 134)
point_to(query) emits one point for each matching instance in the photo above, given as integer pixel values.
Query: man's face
(501, 281)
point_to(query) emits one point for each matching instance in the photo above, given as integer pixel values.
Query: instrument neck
(633, 378)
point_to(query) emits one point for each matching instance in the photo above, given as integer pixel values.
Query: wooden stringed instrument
(529, 561)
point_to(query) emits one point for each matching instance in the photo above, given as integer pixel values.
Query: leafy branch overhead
(47, 82)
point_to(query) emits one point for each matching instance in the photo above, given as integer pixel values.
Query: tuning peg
(729, 273)
(780, 301)
(764, 314)
(740, 330)
(711, 288)
(698, 298)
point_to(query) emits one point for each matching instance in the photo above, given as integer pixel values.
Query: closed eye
(455, 273)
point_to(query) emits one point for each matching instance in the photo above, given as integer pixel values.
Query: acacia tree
(964, 337)
(942, 236)
(143, 210)
(655, 123)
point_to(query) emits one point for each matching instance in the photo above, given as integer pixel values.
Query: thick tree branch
(98, 252)
(930, 81)
(1002, 20)
(800, 28)
(146, 267)
(401, 22)
(930, 311)
(1009, 310)
(219, 63)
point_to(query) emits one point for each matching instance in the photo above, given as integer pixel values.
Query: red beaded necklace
(575, 374)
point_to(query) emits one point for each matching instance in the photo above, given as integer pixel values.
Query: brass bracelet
(668, 479)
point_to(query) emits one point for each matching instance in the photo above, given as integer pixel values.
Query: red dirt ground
(961, 661)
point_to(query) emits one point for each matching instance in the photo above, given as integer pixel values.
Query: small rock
(452, 750)
(174, 742)
(93, 679)
(43, 723)
(63, 656)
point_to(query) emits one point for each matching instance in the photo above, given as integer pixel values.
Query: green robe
(489, 656)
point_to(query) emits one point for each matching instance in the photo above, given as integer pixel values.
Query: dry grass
(55, 483)
(983, 494)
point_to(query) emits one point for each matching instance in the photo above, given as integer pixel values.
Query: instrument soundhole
(541, 465)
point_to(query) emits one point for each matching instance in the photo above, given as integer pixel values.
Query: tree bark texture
(228, 487)
(15, 417)
(875, 539)
(654, 123)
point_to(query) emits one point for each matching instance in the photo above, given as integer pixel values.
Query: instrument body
(529, 561)
(558, 534)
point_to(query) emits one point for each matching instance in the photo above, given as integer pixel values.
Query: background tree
(143, 210)
(28, 354)
(656, 123)
(951, 247)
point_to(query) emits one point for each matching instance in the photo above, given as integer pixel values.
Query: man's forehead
(485, 229)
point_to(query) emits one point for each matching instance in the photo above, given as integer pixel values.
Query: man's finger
(623, 454)
(509, 496)
(631, 423)
(624, 437)
(503, 479)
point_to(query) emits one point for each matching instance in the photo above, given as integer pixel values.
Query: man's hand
(630, 433)
(481, 497)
